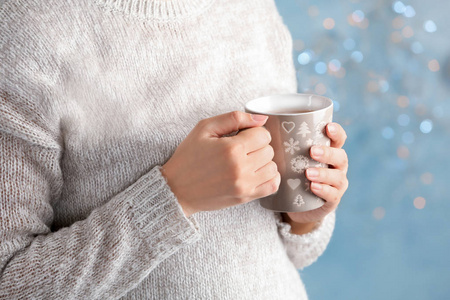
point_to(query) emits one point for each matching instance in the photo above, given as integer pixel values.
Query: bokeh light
(334, 65)
(379, 213)
(426, 178)
(357, 56)
(409, 11)
(328, 23)
(433, 65)
(416, 47)
(419, 202)
(426, 126)
(430, 26)
(403, 120)
(399, 7)
(304, 58)
(407, 32)
(358, 16)
(320, 89)
(403, 152)
(349, 44)
(403, 101)
(313, 11)
(408, 137)
(388, 133)
(320, 67)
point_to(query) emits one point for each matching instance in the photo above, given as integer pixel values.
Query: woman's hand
(329, 184)
(210, 172)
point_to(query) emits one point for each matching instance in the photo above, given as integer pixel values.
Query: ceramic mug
(296, 122)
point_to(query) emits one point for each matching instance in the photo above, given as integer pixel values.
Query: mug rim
(328, 106)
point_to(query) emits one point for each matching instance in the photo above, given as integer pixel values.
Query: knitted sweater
(95, 95)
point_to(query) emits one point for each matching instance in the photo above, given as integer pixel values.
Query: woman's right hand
(210, 172)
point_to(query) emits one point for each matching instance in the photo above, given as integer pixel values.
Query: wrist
(298, 228)
(165, 172)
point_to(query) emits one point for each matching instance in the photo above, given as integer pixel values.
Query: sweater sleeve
(103, 256)
(303, 250)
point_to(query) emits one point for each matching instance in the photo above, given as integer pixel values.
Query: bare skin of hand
(329, 184)
(209, 171)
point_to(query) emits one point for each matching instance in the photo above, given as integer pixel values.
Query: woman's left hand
(330, 183)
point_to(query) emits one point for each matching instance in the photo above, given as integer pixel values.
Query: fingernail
(316, 186)
(332, 128)
(312, 173)
(259, 118)
(317, 151)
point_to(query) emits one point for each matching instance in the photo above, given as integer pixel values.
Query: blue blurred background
(386, 65)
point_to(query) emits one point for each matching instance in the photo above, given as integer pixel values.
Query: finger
(252, 139)
(333, 156)
(261, 157)
(326, 192)
(333, 177)
(265, 173)
(227, 123)
(268, 188)
(336, 134)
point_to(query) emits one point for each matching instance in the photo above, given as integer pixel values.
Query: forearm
(298, 228)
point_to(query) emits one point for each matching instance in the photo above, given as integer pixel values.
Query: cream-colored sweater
(95, 95)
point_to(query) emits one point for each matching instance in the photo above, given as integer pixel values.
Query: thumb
(232, 121)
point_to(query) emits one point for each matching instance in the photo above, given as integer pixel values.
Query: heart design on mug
(288, 126)
(293, 183)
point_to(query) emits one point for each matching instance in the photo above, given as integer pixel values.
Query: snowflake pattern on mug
(292, 146)
(299, 200)
(300, 163)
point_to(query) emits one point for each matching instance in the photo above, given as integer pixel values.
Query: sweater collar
(157, 10)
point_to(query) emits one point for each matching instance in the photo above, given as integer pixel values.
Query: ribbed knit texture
(95, 95)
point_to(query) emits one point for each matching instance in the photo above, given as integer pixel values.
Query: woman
(96, 96)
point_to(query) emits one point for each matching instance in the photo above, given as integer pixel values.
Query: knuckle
(345, 159)
(272, 186)
(341, 182)
(234, 150)
(271, 151)
(273, 168)
(236, 116)
(202, 123)
(336, 198)
(262, 134)
(345, 186)
(268, 135)
(235, 174)
(238, 189)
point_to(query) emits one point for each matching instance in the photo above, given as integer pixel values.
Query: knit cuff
(155, 210)
(305, 249)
